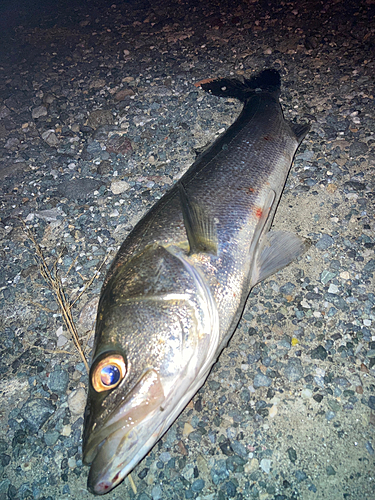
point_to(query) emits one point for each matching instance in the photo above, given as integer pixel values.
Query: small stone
(61, 338)
(58, 381)
(66, 430)
(188, 429)
(36, 412)
(273, 411)
(78, 189)
(50, 137)
(292, 454)
(370, 266)
(50, 438)
(219, 472)
(318, 398)
(300, 475)
(230, 489)
(100, 117)
(77, 401)
(294, 370)
(306, 393)
(38, 112)
(118, 187)
(333, 288)
(261, 380)
(239, 449)
(251, 466)
(371, 402)
(330, 415)
(319, 353)
(334, 405)
(87, 316)
(97, 84)
(305, 304)
(287, 288)
(156, 492)
(344, 275)
(330, 471)
(327, 276)
(265, 465)
(358, 148)
(369, 448)
(198, 485)
(325, 242)
(123, 93)
(119, 145)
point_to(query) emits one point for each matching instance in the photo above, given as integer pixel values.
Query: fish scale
(176, 290)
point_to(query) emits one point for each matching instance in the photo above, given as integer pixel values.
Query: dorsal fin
(300, 130)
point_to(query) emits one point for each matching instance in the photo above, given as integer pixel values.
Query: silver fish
(178, 285)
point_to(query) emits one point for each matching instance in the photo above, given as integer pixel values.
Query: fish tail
(268, 81)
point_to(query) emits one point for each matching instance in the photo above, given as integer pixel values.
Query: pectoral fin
(200, 228)
(276, 250)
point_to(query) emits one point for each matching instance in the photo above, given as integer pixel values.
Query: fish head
(116, 433)
(138, 387)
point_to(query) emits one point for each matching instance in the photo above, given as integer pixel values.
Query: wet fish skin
(176, 289)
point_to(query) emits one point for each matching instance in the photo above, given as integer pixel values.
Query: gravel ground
(99, 116)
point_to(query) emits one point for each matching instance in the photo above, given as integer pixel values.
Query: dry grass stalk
(54, 282)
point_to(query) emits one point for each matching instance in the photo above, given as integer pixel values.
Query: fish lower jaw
(102, 481)
(100, 488)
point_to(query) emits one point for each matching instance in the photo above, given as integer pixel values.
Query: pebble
(273, 411)
(306, 393)
(292, 454)
(50, 137)
(118, 187)
(294, 370)
(327, 276)
(325, 242)
(265, 465)
(38, 112)
(319, 353)
(58, 381)
(261, 380)
(77, 401)
(35, 412)
(198, 485)
(333, 288)
(330, 471)
(300, 476)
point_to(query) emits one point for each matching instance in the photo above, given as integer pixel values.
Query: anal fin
(200, 228)
(276, 250)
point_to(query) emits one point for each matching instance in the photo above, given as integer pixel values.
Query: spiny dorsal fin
(200, 229)
(300, 130)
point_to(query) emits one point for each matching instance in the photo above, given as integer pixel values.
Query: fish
(175, 291)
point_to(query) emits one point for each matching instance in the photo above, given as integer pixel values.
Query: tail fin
(268, 81)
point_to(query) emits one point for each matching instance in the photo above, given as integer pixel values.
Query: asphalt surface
(99, 116)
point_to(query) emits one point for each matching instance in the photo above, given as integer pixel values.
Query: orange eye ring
(108, 373)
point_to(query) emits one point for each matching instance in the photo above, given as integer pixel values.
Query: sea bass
(177, 287)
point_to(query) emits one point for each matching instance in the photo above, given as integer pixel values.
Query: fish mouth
(116, 447)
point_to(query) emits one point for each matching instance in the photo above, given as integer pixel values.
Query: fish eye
(108, 372)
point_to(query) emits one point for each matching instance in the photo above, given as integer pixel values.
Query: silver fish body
(178, 285)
